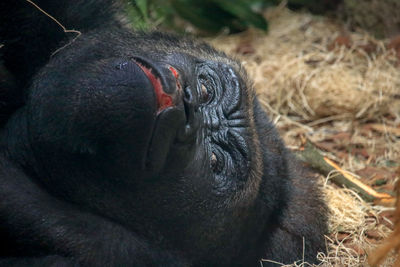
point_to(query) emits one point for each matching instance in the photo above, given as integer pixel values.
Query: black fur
(96, 170)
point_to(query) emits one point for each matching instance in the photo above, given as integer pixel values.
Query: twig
(383, 128)
(392, 242)
(313, 157)
(59, 24)
(305, 127)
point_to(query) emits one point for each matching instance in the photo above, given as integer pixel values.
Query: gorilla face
(168, 111)
(171, 136)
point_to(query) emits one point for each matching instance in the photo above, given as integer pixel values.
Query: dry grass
(315, 79)
(353, 216)
(297, 69)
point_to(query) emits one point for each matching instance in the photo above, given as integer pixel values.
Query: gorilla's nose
(164, 80)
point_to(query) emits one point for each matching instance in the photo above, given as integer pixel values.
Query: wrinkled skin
(134, 149)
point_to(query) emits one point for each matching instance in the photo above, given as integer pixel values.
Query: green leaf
(242, 10)
(135, 17)
(142, 6)
(204, 15)
(380, 182)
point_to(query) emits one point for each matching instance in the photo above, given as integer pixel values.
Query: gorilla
(124, 148)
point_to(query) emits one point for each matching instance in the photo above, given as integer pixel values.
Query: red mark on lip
(163, 100)
(176, 75)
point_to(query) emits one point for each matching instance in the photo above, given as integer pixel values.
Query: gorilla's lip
(164, 100)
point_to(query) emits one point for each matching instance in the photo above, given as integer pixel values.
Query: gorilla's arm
(34, 217)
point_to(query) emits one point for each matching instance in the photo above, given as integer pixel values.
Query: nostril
(188, 95)
(188, 104)
(187, 111)
(188, 132)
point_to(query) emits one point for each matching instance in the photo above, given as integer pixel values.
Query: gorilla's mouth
(160, 86)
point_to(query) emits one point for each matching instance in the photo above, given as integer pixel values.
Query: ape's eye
(214, 162)
(204, 94)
